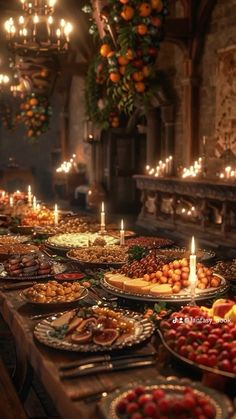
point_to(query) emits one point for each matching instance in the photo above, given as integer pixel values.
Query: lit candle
(171, 164)
(192, 272)
(147, 168)
(167, 167)
(227, 171)
(204, 140)
(103, 225)
(3, 194)
(34, 203)
(29, 196)
(11, 201)
(122, 233)
(56, 215)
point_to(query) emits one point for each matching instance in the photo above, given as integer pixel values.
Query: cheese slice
(135, 285)
(117, 280)
(160, 289)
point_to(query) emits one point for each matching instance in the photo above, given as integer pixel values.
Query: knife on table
(104, 358)
(119, 365)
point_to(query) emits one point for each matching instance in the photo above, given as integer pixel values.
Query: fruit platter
(54, 293)
(69, 241)
(100, 256)
(153, 280)
(204, 337)
(166, 398)
(37, 217)
(94, 329)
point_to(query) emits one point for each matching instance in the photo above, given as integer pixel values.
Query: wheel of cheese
(135, 285)
(117, 280)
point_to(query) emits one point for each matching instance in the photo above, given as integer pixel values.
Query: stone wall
(35, 156)
(221, 34)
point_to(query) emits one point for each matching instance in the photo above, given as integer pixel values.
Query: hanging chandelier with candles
(37, 30)
(4, 81)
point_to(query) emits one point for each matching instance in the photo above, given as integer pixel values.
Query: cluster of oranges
(131, 66)
(35, 114)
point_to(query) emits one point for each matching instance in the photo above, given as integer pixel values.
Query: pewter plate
(182, 297)
(83, 294)
(180, 252)
(143, 329)
(58, 268)
(173, 386)
(194, 364)
(95, 265)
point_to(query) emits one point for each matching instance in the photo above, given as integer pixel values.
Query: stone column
(153, 136)
(190, 114)
(167, 116)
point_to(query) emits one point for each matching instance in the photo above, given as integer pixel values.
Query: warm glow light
(103, 207)
(50, 20)
(122, 224)
(193, 246)
(62, 23)
(58, 33)
(68, 28)
(36, 19)
(21, 20)
(52, 3)
(25, 32)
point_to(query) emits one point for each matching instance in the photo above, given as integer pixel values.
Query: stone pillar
(153, 136)
(190, 114)
(167, 116)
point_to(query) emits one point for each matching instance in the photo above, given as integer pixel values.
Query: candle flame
(103, 207)
(193, 246)
(122, 225)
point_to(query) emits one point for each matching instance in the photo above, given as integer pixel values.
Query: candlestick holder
(192, 294)
(103, 230)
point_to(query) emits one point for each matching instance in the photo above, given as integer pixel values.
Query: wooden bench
(10, 405)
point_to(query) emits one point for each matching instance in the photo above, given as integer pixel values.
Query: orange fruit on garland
(114, 77)
(144, 9)
(33, 101)
(146, 71)
(110, 54)
(138, 76)
(129, 54)
(122, 70)
(127, 13)
(105, 50)
(141, 29)
(139, 87)
(124, 1)
(122, 60)
(157, 5)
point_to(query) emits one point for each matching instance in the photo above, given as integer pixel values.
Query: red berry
(144, 398)
(139, 390)
(164, 405)
(131, 396)
(150, 409)
(189, 401)
(136, 415)
(209, 411)
(121, 406)
(158, 394)
(225, 365)
(132, 407)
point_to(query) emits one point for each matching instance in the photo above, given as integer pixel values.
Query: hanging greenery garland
(35, 115)
(128, 53)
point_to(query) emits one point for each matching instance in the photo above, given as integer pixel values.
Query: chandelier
(37, 30)
(4, 80)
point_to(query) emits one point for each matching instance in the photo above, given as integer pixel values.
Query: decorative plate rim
(192, 363)
(44, 326)
(84, 294)
(223, 408)
(165, 297)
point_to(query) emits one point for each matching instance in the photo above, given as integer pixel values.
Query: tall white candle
(29, 196)
(103, 224)
(192, 266)
(122, 233)
(34, 203)
(11, 201)
(56, 215)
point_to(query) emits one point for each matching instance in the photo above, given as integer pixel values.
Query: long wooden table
(45, 362)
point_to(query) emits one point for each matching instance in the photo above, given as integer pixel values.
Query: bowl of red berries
(167, 398)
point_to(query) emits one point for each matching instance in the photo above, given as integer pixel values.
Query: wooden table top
(45, 362)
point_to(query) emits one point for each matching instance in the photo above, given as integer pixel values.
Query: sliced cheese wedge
(135, 285)
(160, 289)
(117, 281)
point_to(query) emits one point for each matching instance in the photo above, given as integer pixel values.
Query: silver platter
(182, 297)
(173, 386)
(54, 304)
(143, 329)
